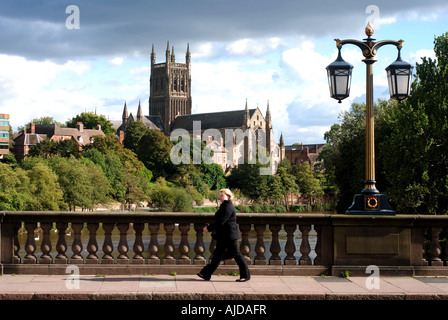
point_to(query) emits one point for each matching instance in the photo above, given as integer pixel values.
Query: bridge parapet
(272, 243)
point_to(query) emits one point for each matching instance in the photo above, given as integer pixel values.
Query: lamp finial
(369, 29)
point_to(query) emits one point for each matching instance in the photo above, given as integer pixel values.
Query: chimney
(80, 126)
(32, 128)
(98, 127)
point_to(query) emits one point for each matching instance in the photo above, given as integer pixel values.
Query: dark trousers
(229, 248)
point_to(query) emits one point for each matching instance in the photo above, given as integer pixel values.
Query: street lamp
(399, 73)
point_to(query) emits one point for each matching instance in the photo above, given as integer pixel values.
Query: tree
(154, 151)
(308, 185)
(134, 132)
(64, 148)
(13, 186)
(415, 152)
(83, 183)
(127, 175)
(45, 189)
(90, 120)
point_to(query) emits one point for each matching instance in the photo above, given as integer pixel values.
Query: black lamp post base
(370, 204)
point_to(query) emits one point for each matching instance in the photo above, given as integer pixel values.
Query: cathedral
(170, 109)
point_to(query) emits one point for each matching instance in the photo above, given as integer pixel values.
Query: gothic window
(175, 84)
(182, 88)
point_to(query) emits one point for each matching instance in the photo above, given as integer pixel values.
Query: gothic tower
(170, 87)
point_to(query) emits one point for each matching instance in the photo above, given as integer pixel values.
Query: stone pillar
(245, 245)
(138, 244)
(305, 248)
(199, 248)
(153, 244)
(123, 246)
(184, 246)
(30, 246)
(45, 247)
(290, 247)
(61, 245)
(169, 244)
(92, 245)
(77, 244)
(108, 246)
(275, 245)
(260, 249)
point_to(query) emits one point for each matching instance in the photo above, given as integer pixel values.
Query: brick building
(37, 133)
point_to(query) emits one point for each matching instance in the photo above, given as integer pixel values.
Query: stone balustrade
(161, 242)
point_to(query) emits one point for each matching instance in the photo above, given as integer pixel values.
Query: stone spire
(139, 112)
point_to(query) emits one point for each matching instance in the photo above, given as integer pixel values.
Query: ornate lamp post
(399, 73)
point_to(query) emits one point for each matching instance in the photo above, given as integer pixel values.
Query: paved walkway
(190, 287)
(190, 292)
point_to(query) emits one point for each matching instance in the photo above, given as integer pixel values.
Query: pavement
(185, 295)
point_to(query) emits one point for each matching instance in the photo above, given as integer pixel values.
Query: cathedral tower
(170, 87)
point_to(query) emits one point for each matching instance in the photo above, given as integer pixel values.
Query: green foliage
(90, 120)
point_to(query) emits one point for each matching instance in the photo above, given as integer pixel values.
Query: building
(298, 153)
(170, 87)
(37, 133)
(4, 134)
(170, 109)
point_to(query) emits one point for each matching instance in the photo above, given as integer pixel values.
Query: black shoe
(242, 280)
(200, 275)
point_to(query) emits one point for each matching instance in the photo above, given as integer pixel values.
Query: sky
(60, 58)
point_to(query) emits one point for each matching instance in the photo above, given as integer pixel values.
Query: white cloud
(31, 89)
(252, 47)
(118, 61)
(417, 56)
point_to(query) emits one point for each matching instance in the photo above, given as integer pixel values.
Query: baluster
(153, 244)
(436, 249)
(123, 246)
(199, 248)
(305, 248)
(92, 246)
(317, 249)
(77, 244)
(259, 245)
(184, 246)
(108, 246)
(275, 245)
(61, 245)
(424, 261)
(290, 247)
(169, 244)
(138, 244)
(45, 247)
(16, 244)
(30, 246)
(245, 245)
(446, 250)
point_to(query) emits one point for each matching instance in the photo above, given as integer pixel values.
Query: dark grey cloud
(36, 28)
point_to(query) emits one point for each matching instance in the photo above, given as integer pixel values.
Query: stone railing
(160, 242)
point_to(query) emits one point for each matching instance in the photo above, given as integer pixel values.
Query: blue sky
(257, 50)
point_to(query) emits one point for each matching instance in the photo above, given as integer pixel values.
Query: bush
(163, 198)
(182, 200)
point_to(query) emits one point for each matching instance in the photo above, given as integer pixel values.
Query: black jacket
(225, 227)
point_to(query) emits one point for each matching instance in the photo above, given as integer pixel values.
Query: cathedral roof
(213, 120)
